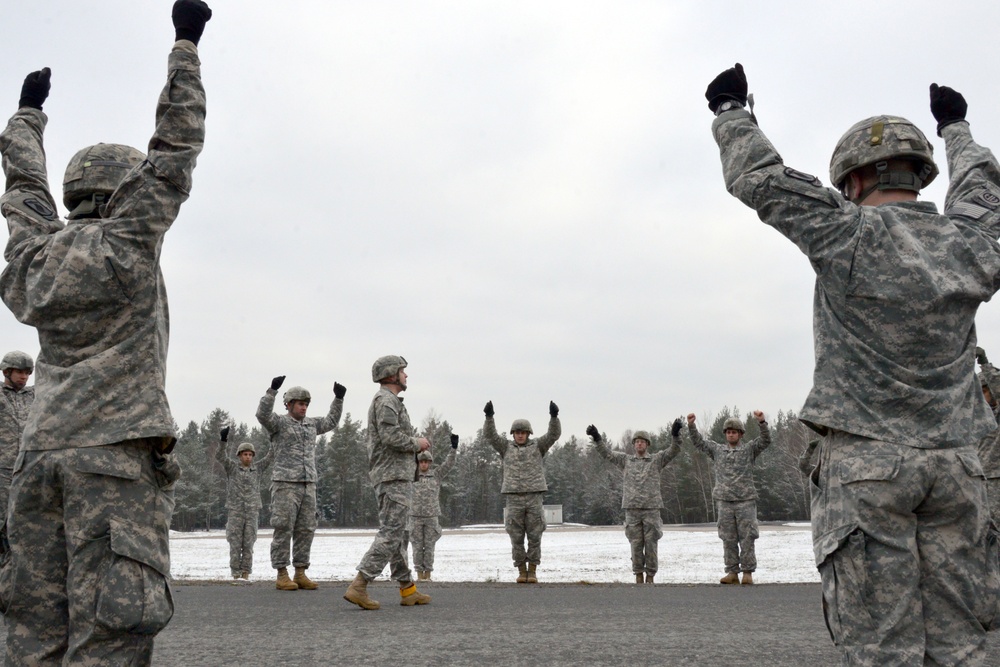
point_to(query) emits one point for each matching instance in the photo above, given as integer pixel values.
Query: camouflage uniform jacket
(427, 488)
(641, 484)
(896, 293)
(243, 482)
(293, 441)
(93, 288)
(989, 446)
(733, 466)
(13, 416)
(391, 443)
(523, 471)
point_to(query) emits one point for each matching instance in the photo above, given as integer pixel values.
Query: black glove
(454, 441)
(277, 382)
(675, 429)
(729, 85)
(594, 433)
(488, 410)
(35, 89)
(339, 390)
(190, 17)
(553, 410)
(947, 105)
(981, 356)
(224, 434)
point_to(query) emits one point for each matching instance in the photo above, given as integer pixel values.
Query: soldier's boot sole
(284, 583)
(304, 583)
(730, 578)
(410, 596)
(357, 593)
(747, 579)
(532, 578)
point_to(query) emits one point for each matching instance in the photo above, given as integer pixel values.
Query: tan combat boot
(747, 578)
(522, 577)
(284, 583)
(245, 576)
(649, 578)
(427, 575)
(638, 577)
(532, 579)
(304, 582)
(357, 593)
(409, 596)
(730, 578)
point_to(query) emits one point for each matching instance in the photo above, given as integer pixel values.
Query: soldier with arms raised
(425, 529)
(243, 473)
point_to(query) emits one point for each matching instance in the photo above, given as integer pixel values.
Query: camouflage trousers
(86, 581)
(525, 518)
(6, 475)
(906, 552)
(738, 531)
(389, 546)
(425, 531)
(293, 517)
(993, 494)
(644, 528)
(241, 533)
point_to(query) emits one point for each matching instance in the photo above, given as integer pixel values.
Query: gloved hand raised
(454, 441)
(35, 89)
(981, 356)
(729, 85)
(553, 410)
(594, 433)
(224, 434)
(488, 410)
(675, 429)
(190, 17)
(277, 382)
(947, 105)
(339, 390)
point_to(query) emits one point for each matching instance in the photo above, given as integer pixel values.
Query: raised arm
(554, 430)
(332, 418)
(266, 459)
(265, 409)
(615, 457)
(764, 441)
(495, 440)
(696, 439)
(449, 462)
(674, 448)
(222, 453)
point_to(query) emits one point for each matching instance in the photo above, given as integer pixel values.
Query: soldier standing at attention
(242, 501)
(391, 449)
(524, 486)
(641, 497)
(17, 367)
(293, 482)
(86, 581)
(425, 529)
(989, 446)
(734, 492)
(900, 520)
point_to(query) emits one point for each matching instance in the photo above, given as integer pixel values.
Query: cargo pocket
(134, 595)
(844, 574)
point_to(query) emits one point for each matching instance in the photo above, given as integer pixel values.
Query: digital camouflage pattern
(293, 441)
(644, 528)
(293, 517)
(641, 482)
(424, 528)
(525, 519)
(14, 406)
(896, 294)
(242, 505)
(733, 466)
(738, 529)
(523, 471)
(424, 531)
(989, 445)
(806, 463)
(390, 440)
(389, 546)
(92, 497)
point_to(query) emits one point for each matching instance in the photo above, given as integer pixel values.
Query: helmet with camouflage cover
(246, 447)
(521, 425)
(296, 394)
(15, 359)
(425, 456)
(875, 141)
(644, 435)
(733, 423)
(387, 366)
(96, 170)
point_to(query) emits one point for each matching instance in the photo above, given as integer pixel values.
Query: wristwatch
(728, 105)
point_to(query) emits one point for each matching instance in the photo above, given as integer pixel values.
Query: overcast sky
(524, 199)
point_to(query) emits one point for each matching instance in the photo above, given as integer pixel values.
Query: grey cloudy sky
(522, 198)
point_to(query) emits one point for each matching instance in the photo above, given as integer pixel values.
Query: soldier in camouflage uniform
(901, 528)
(523, 486)
(734, 492)
(806, 463)
(85, 580)
(17, 367)
(242, 501)
(989, 445)
(293, 481)
(424, 527)
(641, 498)
(392, 447)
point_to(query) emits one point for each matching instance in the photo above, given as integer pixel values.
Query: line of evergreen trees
(587, 486)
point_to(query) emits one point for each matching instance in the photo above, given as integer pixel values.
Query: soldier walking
(293, 481)
(391, 449)
(641, 497)
(86, 577)
(901, 528)
(734, 492)
(523, 486)
(425, 529)
(242, 501)
(17, 367)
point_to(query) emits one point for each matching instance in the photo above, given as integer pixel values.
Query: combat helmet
(94, 173)
(17, 360)
(875, 141)
(387, 366)
(246, 447)
(425, 456)
(733, 423)
(643, 435)
(521, 425)
(296, 394)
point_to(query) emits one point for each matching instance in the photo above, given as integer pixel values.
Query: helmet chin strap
(88, 208)
(893, 180)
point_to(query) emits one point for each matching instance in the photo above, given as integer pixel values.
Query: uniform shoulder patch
(988, 199)
(802, 176)
(40, 208)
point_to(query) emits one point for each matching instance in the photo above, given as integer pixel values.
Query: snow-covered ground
(570, 553)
